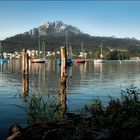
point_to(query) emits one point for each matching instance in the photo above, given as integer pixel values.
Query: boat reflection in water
(100, 60)
(82, 68)
(98, 67)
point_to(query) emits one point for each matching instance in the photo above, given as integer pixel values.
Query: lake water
(84, 83)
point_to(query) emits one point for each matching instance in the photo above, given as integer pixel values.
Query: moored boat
(100, 60)
(68, 63)
(80, 61)
(38, 60)
(3, 60)
(82, 58)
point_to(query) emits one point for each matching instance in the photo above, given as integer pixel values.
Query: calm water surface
(84, 83)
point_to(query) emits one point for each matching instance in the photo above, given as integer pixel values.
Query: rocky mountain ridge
(53, 28)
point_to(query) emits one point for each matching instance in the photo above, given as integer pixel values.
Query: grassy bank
(119, 120)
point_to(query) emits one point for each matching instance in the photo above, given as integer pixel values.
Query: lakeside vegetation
(117, 120)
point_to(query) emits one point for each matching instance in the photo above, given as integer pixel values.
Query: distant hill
(54, 34)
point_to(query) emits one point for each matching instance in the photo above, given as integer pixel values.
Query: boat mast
(0, 47)
(70, 50)
(82, 49)
(67, 43)
(39, 44)
(101, 55)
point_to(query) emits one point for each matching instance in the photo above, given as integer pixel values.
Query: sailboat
(39, 59)
(2, 59)
(69, 60)
(100, 60)
(82, 59)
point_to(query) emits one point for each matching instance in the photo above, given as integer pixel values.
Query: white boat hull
(99, 61)
(38, 60)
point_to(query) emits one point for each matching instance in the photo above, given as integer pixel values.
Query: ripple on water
(85, 83)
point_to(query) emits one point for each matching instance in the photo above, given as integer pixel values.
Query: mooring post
(63, 81)
(25, 73)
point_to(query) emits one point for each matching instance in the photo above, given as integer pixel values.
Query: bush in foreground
(119, 120)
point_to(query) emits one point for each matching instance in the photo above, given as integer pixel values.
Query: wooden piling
(25, 73)
(63, 63)
(63, 81)
(25, 62)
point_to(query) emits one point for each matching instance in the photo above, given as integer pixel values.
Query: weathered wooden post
(63, 81)
(25, 73)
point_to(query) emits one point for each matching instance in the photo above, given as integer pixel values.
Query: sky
(97, 18)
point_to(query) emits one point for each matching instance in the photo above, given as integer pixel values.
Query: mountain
(54, 34)
(53, 28)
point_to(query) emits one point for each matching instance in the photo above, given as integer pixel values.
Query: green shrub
(42, 108)
(121, 115)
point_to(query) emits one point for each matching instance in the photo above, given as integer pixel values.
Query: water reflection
(98, 68)
(44, 78)
(82, 68)
(84, 81)
(25, 85)
(63, 86)
(1, 68)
